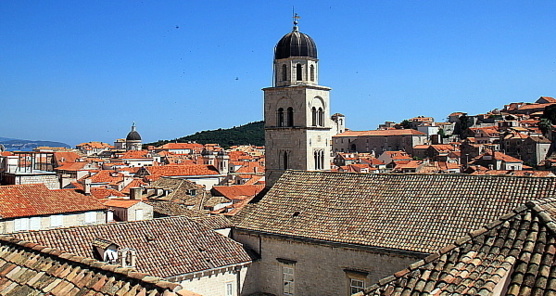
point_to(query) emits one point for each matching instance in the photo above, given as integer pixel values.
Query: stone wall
(72, 219)
(319, 269)
(215, 282)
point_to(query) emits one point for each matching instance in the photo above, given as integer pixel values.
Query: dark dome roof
(295, 44)
(133, 136)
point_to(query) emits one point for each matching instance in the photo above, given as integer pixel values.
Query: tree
(545, 125)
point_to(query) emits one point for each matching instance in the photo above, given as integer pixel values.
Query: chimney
(87, 186)
(135, 193)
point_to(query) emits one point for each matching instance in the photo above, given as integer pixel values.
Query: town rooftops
(155, 172)
(405, 212)
(513, 255)
(37, 200)
(381, 133)
(166, 247)
(32, 269)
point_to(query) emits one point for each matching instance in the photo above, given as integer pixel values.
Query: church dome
(295, 44)
(133, 135)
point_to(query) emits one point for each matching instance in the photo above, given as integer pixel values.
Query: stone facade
(50, 179)
(378, 141)
(52, 221)
(318, 268)
(217, 282)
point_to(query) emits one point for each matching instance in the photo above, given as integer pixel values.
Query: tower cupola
(295, 59)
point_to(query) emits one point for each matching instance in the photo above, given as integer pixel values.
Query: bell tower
(296, 109)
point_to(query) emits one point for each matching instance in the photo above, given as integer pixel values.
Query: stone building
(175, 249)
(324, 233)
(378, 141)
(35, 207)
(296, 110)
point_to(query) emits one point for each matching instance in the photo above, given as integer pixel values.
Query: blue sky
(78, 71)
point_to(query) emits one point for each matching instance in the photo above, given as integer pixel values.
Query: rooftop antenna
(296, 17)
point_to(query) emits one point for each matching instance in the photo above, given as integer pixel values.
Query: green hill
(250, 133)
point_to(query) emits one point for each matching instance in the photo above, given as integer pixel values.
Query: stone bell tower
(296, 110)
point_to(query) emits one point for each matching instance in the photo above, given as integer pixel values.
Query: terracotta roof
(137, 154)
(514, 255)
(176, 146)
(36, 199)
(72, 166)
(98, 145)
(381, 133)
(165, 247)
(411, 212)
(505, 157)
(31, 269)
(237, 191)
(213, 222)
(103, 193)
(156, 172)
(107, 176)
(121, 203)
(134, 183)
(65, 156)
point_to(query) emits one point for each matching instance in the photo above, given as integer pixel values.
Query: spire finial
(296, 17)
(133, 126)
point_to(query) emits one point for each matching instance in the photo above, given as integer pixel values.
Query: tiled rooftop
(237, 191)
(410, 212)
(36, 199)
(165, 247)
(517, 252)
(30, 269)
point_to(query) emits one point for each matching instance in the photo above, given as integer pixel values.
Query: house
(140, 158)
(495, 160)
(393, 157)
(29, 168)
(512, 255)
(35, 207)
(201, 174)
(33, 269)
(327, 232)
(181, 148)
(378, 141)
(175, 249)
(93, 148)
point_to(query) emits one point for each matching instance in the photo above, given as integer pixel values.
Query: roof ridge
(538, 207)
(132, 273)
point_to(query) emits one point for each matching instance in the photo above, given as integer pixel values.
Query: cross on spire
(296, 18)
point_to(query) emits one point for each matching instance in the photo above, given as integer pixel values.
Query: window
(312, 73)
(356, 286)
(284, 72)
(56, 220)
(280, 117)
(288, 279)
(356, 280)
(139, 214)
(314, 116)
(321, 117)
(90, 217)
(229, 289)
(21, 224)
(290, 116)
(35, 223)
(285, 160)
(299, 72)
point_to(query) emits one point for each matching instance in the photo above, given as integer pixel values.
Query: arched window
(285, 160)
(299, 72)
(312, 73)
(314, 116)
(290, 116)
(284, 72)
(322, 160)
(321, 117)
(280, 117)
(316, 157)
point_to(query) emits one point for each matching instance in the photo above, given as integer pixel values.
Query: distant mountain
(28, 145)
(250, 133)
